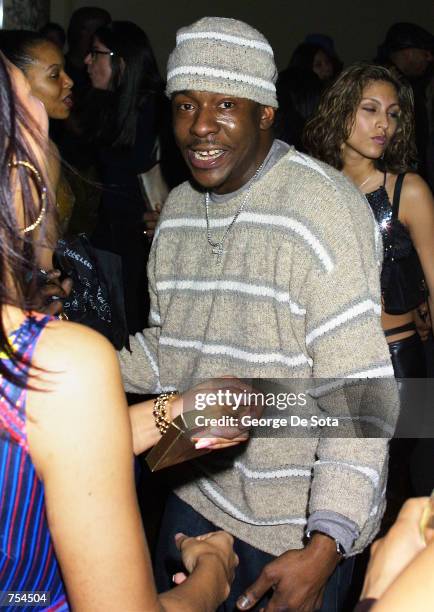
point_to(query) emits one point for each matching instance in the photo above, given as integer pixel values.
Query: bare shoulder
(416, 199)
(415, 187)
(76, 398)
(74, 365)
(72, 349)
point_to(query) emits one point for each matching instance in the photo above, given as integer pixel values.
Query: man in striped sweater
(265, 265)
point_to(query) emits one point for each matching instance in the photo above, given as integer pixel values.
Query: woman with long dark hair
(70, 530)
(364, 127)
(310, 57)
(124, 122)
(42, 62)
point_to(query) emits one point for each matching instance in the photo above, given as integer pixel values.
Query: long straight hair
(135, 79)
(18, 262)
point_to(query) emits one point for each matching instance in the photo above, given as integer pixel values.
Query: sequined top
(396, 237)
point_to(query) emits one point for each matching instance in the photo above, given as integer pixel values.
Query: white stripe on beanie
(222, 74)
(236, 40)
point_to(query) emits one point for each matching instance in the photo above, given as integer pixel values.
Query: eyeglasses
(95, 52)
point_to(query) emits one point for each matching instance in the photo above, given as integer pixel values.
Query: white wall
(357, 26)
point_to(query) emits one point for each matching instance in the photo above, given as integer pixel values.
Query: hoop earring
(42, 190)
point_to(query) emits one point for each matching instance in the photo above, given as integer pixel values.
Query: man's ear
(268, 114)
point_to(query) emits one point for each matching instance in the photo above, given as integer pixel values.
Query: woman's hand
(226, 397)
(391, 555)
(422, 320)
(146, 434)
(217, 546)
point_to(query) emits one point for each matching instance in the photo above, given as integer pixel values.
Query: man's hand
(298, 578)
(391, 554)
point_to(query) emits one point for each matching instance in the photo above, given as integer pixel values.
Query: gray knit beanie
(226, 56)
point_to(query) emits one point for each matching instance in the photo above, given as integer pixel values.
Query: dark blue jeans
(180, 517)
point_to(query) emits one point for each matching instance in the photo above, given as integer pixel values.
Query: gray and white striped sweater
(296, 295)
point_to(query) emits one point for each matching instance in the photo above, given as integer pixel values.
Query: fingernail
(173, 577)
(243, 602)
(203, 443)
(178, 535)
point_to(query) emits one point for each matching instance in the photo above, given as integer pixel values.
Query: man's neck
(275, 152)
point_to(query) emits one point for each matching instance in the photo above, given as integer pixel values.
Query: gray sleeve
(338, 527)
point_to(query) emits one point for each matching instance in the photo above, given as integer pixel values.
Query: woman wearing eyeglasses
(124, 118)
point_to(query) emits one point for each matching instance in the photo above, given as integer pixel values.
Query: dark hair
(298, 93)
(17, 46)
(80, 18)
(331, 125)
(303, 58)
(135, 78)
(404, 36)
(18, 262)
(51, 28)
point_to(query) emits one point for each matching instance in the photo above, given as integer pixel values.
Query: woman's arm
(146, 434)
(417, 213)
(81, 445)
(414, 588)
(207, 587)
(391, 554)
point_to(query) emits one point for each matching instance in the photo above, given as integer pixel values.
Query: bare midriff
(390, 321)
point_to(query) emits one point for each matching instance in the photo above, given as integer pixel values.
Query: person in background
(299, 88)
(54, 32)
(409, 48)
(82, 26)
(42, 62)
(327, 44)
(311, 57)
(69, 521)
(298, 93)
(123, 123)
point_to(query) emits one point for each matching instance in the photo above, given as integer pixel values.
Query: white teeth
(213, 153)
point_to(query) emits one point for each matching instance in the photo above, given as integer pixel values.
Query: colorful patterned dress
(27, 560)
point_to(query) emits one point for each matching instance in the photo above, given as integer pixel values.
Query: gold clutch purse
(176, 446)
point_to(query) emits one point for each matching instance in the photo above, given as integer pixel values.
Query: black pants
(180, 517)
(411, 456)
(408, 357)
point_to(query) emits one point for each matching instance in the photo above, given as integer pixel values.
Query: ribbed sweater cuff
(334, 525)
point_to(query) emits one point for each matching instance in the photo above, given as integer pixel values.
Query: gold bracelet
(162, 420)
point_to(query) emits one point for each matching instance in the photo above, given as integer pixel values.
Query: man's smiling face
(221, 137)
